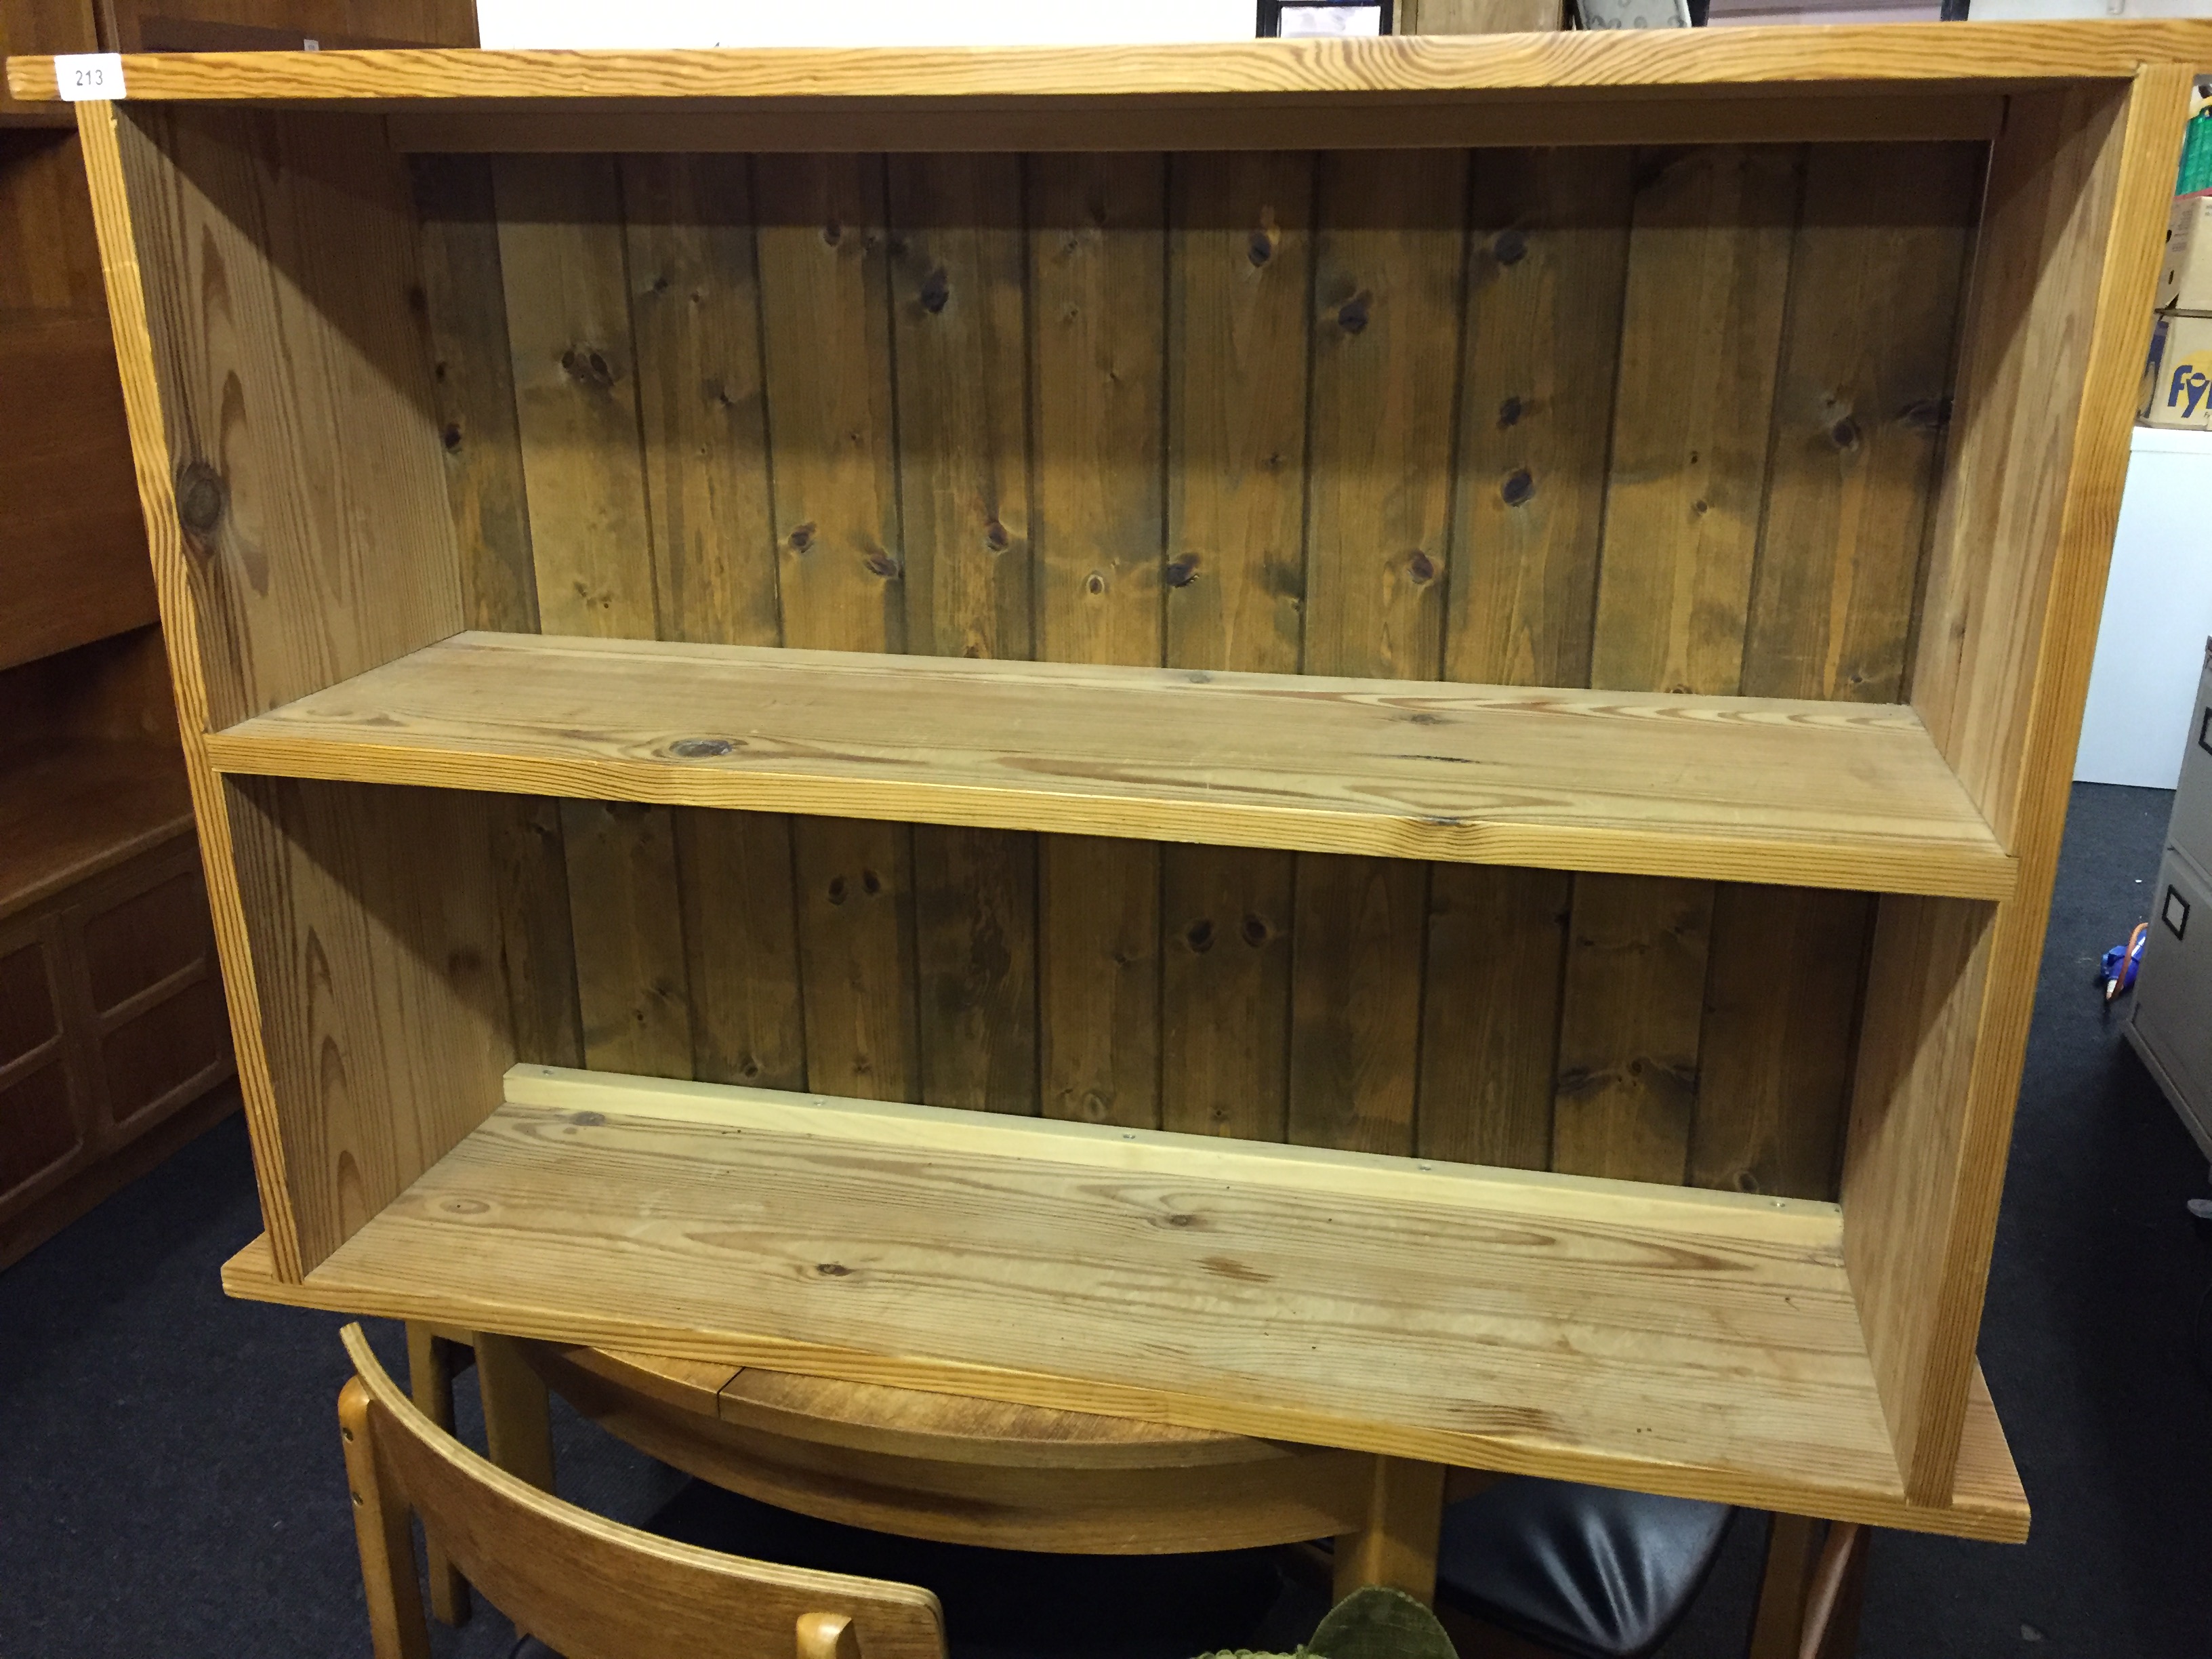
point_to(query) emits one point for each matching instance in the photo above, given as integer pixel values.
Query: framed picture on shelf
(1298, 20)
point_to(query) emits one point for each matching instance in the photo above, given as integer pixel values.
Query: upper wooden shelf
(1997, 55)
(1823, 795)
(1700, 1343)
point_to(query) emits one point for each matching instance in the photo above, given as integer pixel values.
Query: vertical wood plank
(1628, 1027)
(1240, 274)
(1547, 264)
(1709, 242)
(631, 975)
(1490, 1013)
(465, 303)
(1859, 412)
(1098, 357)
(958, 259)
(825, 327)
(562, 267)
(1709, 266)
(1389, 257)
(1774, 1069)
(695, 311)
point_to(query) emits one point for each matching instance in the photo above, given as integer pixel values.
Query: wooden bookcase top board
(1355, 741)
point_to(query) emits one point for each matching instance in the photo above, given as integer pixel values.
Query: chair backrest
(592, 1588)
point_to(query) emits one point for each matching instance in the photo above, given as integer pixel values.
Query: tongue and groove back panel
(1630, 419)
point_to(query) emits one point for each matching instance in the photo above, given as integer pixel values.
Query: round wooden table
(963, 1470)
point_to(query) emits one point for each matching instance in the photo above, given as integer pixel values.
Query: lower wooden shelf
(1704, 1344)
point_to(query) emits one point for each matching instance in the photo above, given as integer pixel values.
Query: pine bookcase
(1362, 742)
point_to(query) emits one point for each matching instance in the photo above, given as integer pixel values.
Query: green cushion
(1368, 1624)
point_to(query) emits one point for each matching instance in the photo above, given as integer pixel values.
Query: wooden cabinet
(1355, 741)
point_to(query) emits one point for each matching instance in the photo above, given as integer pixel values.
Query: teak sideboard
(1361, 742)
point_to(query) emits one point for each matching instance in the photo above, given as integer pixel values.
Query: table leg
(518, 1425)
(1398, 1545)
(430, 1380)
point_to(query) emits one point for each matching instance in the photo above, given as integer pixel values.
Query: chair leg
(518, 1426)
(1792, 1544)
(430, 1380)
(1832, 1615)
(380, 1526)
(1398, 1545)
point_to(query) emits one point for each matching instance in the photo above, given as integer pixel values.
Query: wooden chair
(587, 1587)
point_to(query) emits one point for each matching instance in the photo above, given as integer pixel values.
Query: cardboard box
(2185, 275)
(2177, 389)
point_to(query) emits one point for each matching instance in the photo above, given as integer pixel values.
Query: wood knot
(871, 883)
(935, 291)
(1095, 582)
(1517, 488)
(1509, 413)
(1199, 936)
(832, 233)
(588, 1120)
(833, 1269)
(802, 537)
(836, 890)
(1256, 930)
(701, 748)
(995, 537)
(1421, 567)
(1845, 433)
(1511, 248)
(1182, 572)
(1351, 315)
(201, 499)
(1262, 248)
(880, 563)
(1926, 414)
(1701, 508)
(587, 366)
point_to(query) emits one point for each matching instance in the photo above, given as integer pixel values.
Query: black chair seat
(1594, 1573)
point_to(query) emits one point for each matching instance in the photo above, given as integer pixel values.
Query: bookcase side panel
(2058, 313)
(373, 915)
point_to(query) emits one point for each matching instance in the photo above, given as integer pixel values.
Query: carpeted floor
(170, 1482)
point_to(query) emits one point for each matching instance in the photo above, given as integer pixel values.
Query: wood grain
(575, 379)
(472, 372)
(1765, 1324)
(825, 323)
(1097, 355)
(385, 1019)
(169, 199)
(694, 307)
(958, 280)
(1811, 794)
(1240, 275)
(1546, 263)
(1317, 71)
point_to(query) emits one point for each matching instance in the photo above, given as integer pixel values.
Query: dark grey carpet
(170, 1482)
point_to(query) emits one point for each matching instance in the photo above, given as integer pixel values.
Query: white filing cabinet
(2171, 1023)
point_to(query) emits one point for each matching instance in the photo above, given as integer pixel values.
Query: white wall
(2158, 613)
(644, 23)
